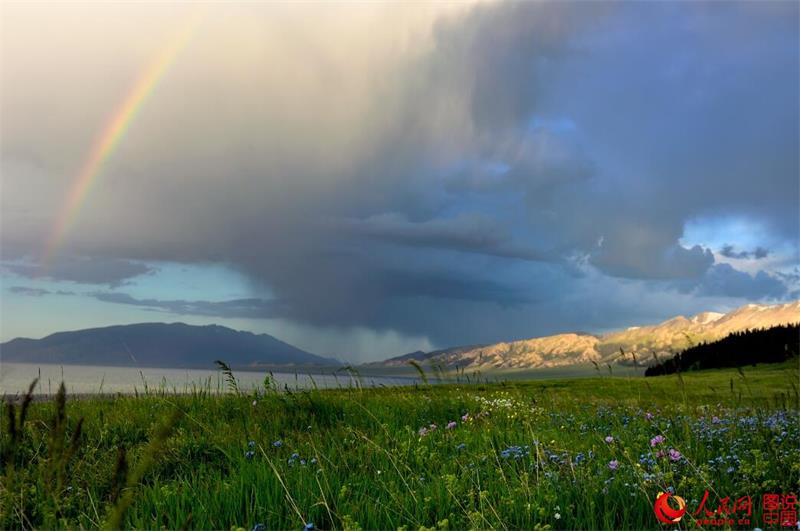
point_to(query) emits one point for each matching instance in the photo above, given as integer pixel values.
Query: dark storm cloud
(37, 292)
(722, 279)
(398, 284)
(792, 277)
(651, 261)
(439, 175)
(248, 308)
(113, 272)
(505, 54)
(24, 290)
(442, 285)
(730, 251)
(467, 233)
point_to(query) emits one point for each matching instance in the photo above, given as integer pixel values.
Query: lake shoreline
(15, 378)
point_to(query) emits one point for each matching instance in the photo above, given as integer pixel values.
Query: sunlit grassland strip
(565, 453)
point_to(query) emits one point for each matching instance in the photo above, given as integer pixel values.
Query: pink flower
(609, 439)
(648, 416)
(660, 453)
(613, 464)
(465, 417)
(655, 441)
(451, 425)
(674, 454)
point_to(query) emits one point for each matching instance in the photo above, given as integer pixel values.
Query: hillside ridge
(159, 345)
(635, 344)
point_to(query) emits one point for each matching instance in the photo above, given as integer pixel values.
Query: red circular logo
(664, 512)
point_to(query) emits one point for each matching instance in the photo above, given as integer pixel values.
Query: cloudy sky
(363, 180)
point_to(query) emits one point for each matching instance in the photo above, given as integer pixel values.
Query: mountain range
(159, 345)
(634, 345)
(182, 345)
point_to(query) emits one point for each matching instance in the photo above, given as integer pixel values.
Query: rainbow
(113, 133)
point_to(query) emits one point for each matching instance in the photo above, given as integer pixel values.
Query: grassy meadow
(586, 453)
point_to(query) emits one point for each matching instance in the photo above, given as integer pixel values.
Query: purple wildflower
(674, 454)
(465, 417)
(423, 431)
(609, 439)
(451, 425)
(613, 464)
(648, 416)
(655, 441)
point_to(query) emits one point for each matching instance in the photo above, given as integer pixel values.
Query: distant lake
(89, 379)
(92, 379)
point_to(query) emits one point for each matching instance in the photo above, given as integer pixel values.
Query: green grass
(180, 461)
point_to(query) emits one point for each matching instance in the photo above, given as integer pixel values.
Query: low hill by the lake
(159, 345)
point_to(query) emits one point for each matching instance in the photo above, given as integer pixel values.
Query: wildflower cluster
(250, 453)
(296, 459)
(451, 425)
(515, 452)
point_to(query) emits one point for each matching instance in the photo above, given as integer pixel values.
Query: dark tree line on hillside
(762, 345)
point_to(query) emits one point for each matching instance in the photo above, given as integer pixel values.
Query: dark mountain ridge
(159, 345)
